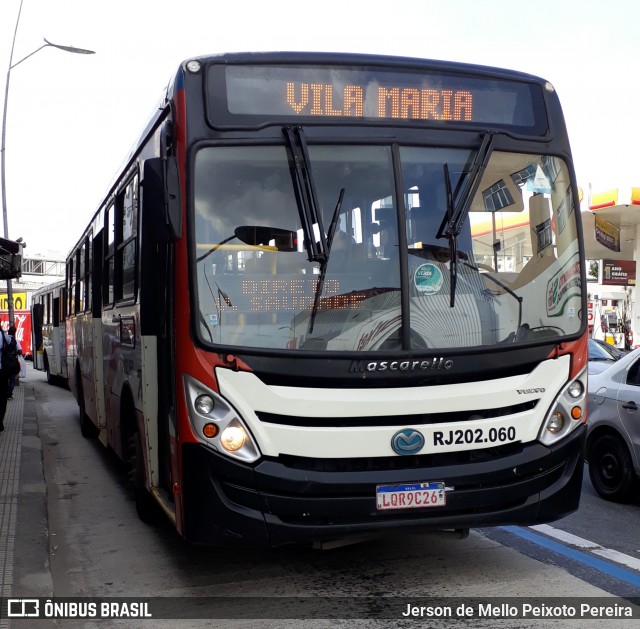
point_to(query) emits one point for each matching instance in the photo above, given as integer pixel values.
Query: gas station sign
(618, 272)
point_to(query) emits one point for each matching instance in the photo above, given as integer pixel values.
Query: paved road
(76, 534)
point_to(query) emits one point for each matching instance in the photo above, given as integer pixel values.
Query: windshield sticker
(540, 182)
(428, 279)
(562, 286)
(213, 320)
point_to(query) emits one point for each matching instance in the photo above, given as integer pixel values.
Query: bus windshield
(384, 281)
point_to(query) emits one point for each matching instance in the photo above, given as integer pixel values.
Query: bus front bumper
(289, 500)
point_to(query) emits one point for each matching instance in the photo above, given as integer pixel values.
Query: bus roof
(342, 58)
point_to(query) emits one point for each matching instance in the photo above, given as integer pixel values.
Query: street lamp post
(47, 44)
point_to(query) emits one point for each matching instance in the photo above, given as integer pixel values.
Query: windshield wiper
(305, 192)
(458, 208)
(307, 201)
(325, 262)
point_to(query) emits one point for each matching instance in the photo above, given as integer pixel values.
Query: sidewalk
(24, 550)
(10, 450)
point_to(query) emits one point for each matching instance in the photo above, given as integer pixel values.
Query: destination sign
(282, 294)
(318, 99)
(248, 95)
(269, 295)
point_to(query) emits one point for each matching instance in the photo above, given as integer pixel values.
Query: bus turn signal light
(210, 430)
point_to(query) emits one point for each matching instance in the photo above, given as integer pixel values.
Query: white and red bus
(332, 295)
(48, 331)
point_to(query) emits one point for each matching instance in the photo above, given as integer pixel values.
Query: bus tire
(47, 370)
(51, 379)
(147, 509)
(87, 428)
(611, 468)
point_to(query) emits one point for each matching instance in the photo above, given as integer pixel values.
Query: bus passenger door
(109, 365)
(97, 333)
(36, 322)
(55, 355)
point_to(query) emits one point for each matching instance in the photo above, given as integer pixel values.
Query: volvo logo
(407, 441)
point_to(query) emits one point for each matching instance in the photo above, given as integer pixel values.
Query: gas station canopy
(610, 227)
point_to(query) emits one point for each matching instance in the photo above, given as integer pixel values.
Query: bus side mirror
(282, 239)
(161, 198)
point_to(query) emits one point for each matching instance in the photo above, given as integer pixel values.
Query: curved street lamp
(47, 44)
(78, 51)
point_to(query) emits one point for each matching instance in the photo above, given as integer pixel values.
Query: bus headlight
(204, 404)
(575, 389)
(217, 424)
(567, 412)
(233, 438)
(555, 423)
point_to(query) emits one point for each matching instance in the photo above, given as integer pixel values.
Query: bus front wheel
(146, 507)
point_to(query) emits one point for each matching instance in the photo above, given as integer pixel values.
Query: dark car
(613, 437)
(616, 352)
(600, 357)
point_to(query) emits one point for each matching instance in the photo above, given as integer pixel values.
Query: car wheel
(611, 469)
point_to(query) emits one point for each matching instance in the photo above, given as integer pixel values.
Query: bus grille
(387, 463)
(396, 420)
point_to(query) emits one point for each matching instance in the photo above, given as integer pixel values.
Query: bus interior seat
(425, 226)
(260, 264)
(343, 252)
(292, 263)
(387, 230)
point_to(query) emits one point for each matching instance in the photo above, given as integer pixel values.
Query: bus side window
(56, 312)
(109, 266)
(126, 247)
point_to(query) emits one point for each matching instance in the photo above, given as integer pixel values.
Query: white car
(613, 437)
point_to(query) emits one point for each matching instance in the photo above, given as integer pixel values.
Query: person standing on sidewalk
(13, 379)
(4, 384)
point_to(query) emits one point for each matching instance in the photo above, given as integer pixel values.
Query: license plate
(414, 496)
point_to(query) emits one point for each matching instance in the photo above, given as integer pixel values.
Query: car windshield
(599, 352)
(517, 272)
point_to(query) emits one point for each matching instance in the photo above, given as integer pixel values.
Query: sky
(72, 119)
